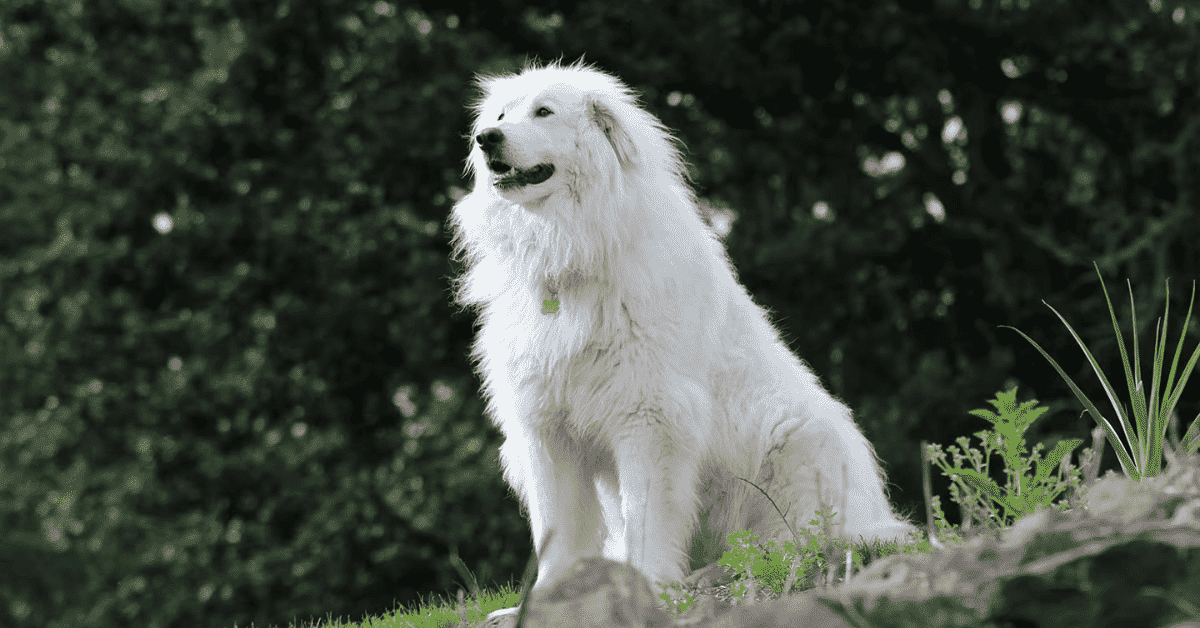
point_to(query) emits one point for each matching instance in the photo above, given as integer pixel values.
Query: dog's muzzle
(504, 175)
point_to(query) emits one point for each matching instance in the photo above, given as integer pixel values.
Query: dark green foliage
(264, 413)
(267, 413)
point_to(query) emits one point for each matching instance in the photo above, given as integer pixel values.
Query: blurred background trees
(233, 387)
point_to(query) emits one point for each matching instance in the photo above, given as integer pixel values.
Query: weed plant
(972, 487)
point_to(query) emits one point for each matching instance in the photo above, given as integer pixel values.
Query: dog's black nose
(490, 138)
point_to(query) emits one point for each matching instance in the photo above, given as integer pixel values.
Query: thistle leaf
(1055, 458)
(986, 486)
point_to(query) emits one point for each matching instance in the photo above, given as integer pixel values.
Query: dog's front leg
(564, 511)
(657, 483)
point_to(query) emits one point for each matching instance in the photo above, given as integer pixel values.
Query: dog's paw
(502, 618)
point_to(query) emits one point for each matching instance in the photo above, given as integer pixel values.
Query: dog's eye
(500, 118)
(542, 112)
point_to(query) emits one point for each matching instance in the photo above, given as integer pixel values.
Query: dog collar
(550, 297)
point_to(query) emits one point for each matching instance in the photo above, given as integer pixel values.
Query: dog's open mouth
(505, 177)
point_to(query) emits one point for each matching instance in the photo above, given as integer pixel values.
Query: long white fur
(630, 414)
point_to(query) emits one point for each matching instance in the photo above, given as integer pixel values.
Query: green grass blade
(1133, 385)
(1130, 374)
(1183, 333)
(1131, 436)
(1191, 440)
(1152, 442)
(1169, 405)
(1170, 393)
(1122, 455)
(1137, 389)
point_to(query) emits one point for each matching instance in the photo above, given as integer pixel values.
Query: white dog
(632, 376)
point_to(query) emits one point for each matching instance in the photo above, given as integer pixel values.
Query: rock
(597, 593)
(801, 609)
(600, 593)
(1125, 558)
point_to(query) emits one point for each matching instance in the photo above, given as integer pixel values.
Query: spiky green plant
(1145, 433)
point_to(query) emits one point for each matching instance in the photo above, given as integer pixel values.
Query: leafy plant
(765, 564)
(677, 598)
(1022, 493)
(1143, 457)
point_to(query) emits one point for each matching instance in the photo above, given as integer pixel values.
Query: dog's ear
(620, 140)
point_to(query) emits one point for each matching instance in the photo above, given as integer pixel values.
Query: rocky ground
(1130, 557)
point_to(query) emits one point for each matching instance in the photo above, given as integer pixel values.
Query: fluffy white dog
(632, 376)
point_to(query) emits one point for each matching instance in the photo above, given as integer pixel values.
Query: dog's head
(549, 129)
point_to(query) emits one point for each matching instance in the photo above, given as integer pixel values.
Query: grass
(434, 612)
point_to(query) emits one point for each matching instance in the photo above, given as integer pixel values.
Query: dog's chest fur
(586, 360)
